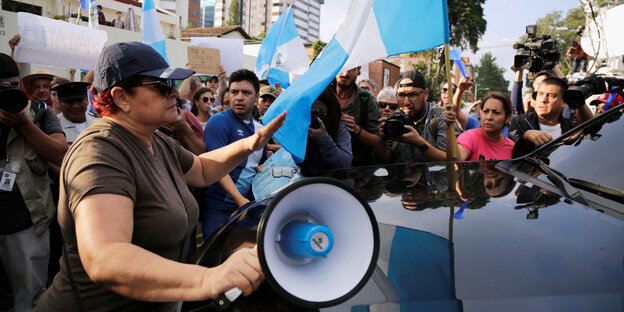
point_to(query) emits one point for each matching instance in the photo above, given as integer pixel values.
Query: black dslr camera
(586, 87)
(395, 125)
(316, 112)
(12, 100)
(540, 53)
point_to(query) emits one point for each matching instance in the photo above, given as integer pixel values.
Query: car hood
(470, 237)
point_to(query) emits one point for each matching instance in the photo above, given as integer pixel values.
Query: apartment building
(257, 16)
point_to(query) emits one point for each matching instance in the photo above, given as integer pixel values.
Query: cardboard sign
(231, 50)
(57, 43)
(204, 60)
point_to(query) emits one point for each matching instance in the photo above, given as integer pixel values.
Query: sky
(506, 21)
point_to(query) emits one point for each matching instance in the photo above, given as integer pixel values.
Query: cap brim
(176, 73)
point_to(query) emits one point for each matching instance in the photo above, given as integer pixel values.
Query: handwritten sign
(57, 43)
(231, 50)
(204, 60)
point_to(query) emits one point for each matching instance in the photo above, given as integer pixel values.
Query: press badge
(9, 172)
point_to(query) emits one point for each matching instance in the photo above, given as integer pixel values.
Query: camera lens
(13, 100)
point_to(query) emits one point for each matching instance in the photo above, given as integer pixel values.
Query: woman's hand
(449, 116)
(241, 269)
(262, 136)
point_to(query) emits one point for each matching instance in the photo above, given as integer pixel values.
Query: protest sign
(231, 50)
(204, 60)
(57, 43)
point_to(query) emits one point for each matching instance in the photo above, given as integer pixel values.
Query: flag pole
(451, 141)
(78, 16)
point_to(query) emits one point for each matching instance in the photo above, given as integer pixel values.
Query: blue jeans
(212, 218)
(25, 259)
(579, 64)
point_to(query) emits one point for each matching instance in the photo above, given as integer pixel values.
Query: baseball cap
(604, 97)
(418, 80)
(268, 90)
(71, 90)
(8, 67)
(123, 60)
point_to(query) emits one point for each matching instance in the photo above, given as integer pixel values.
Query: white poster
(57, 43)
(231, 51)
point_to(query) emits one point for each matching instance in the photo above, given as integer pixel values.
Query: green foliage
(432, 83)
(233, 14)
(490, 76)
(259, 36)
(317, 46)
(466, 23)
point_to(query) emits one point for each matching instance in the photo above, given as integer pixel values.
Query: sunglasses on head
(392, 106)
(205, 99)
(164, 86)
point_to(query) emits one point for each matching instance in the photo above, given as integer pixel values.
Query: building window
(386, 77)
(194, 12)
(14, 6)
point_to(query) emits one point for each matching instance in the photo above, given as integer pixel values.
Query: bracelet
(358, 134)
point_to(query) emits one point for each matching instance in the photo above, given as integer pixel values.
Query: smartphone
(278, 85)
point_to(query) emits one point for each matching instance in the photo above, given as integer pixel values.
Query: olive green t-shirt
(107, 159)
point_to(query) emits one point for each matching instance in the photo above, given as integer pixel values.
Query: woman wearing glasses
(202, 105)
(387, 101)
(125, 209)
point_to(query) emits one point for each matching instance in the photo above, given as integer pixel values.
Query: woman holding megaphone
(125, 210)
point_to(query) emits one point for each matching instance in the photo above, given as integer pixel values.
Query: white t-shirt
(553, 131)
(80, 126)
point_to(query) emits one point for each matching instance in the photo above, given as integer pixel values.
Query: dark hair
(563, 86)
(498, 96)
(103, 101)
(415, 76)
(99, 6)
(193, 85)
(196, 97)
(245, 75)
(118, 12)
(332, 118)
(265, 81)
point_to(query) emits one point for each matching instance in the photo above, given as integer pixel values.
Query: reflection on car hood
(470, 237)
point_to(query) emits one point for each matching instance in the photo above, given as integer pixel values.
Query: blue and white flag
(84, 4)
(151, 31)
(373, 29)
(282, 51)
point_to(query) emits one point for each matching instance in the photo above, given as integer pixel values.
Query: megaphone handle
(224, 300)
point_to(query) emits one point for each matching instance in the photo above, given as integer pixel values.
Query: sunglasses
(412, 95)
(445, 90)
(165, 86)
(392, 106)
(206, 99)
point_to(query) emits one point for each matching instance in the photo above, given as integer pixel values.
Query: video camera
(395, 125)
(540, 53)
(593, 84)
(12, 100)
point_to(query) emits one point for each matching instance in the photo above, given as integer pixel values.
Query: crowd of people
(127, 162)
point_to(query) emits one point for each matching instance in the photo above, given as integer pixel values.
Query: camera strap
(4, 138)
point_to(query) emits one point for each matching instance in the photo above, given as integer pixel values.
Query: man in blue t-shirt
(234, 190)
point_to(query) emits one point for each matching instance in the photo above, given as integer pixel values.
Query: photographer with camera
(580, 57)
(546, 122)
(329, 141)
(418, 132)
(30, 138)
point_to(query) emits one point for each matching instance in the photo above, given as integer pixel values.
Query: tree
(466, 23)
(317, 46)
(259, 36)
(233, 14)
(490, 76)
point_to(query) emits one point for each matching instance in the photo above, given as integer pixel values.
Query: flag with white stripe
(282, 51)
(151, 31)
(373, 29)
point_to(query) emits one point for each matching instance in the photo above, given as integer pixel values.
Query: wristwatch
(423, 148)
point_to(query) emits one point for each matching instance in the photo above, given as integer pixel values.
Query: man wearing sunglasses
(425, 139)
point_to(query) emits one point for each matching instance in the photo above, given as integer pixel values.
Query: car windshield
(591, 153)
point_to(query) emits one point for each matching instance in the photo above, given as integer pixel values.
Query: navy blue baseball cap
(122, 60)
